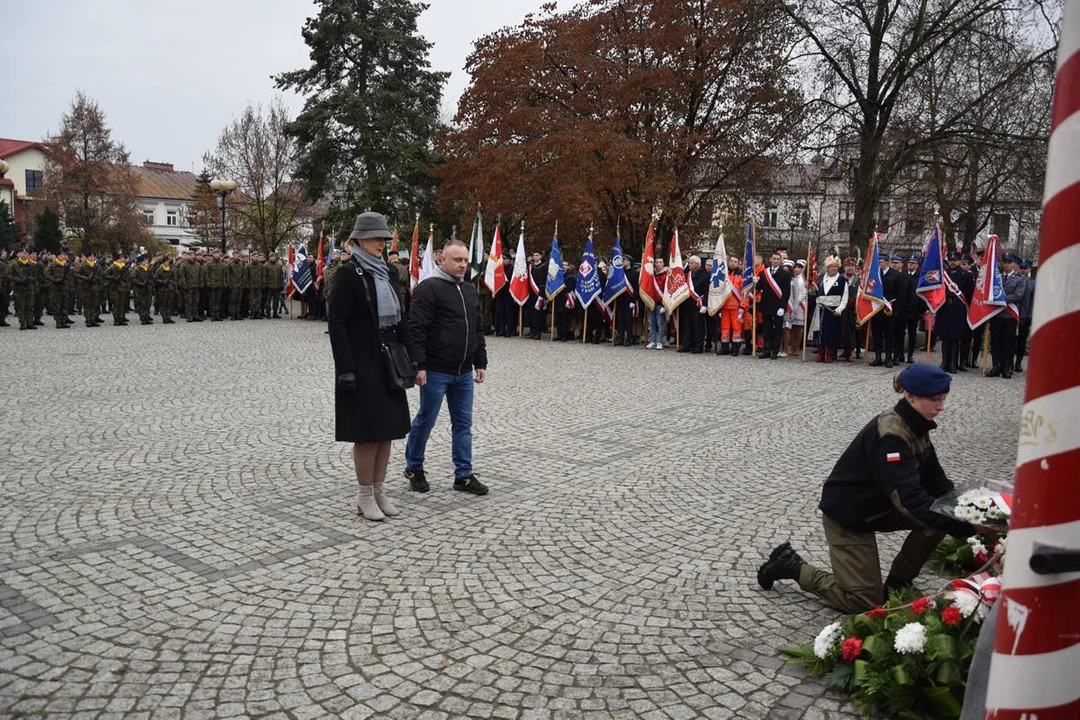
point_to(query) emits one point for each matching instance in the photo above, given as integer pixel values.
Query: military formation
(194, 287)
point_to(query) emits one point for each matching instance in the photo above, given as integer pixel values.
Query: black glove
(346, 383)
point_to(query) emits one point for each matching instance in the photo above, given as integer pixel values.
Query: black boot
(735, 349)
(1018, 366)
(946, 354)
(994, 371)
(878, 362)
(783, 564)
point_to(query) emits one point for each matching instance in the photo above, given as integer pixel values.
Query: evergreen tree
(9, 230)
(47, 232)
(365, 135)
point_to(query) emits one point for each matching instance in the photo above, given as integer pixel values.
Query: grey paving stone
(187, 545)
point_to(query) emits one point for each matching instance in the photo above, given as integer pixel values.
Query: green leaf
(877, 646)
(946, 672)
(900, 675)
(864, 626)
(840, 677)
(965, 555)
(942, 701)
(859, 670)
(942, 646)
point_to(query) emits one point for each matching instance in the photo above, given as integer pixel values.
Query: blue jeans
(458, 391)
(657, 324)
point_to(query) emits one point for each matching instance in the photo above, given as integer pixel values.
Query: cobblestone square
(178, 538)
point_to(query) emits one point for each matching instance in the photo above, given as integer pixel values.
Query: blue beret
(953, 255)
(968, 259)
(924, 380)
(1026, 264)
(1009, 257)
(896, 258)
(915, 259)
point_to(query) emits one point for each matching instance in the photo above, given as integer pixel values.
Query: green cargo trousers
(854, 585)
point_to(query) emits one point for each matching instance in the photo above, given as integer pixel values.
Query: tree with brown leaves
(602, 113)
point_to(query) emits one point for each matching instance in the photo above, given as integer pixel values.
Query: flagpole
(552, 321)
(929, 324)
(521, 326)
(986, 343)
(753, 322)
(614, 312)
(868, 331)
(806, 312)
(678, 340)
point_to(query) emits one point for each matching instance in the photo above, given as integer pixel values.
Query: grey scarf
(386, 300)
(443, 275)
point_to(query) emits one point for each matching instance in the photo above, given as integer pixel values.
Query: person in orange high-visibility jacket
(731, 314)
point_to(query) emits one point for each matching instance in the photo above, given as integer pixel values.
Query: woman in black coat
(365, 312)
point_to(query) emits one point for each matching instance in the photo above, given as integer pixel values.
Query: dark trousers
(537, 321)
(881, 329)
(562, 324)
(1003, 341)
(624, 323)
(911, 327)
(1022, 333)
(854, 585)
(977, 343)
(506, 324)
(772, 326)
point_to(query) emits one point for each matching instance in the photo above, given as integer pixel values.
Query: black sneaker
(470, 484)
(417, 480)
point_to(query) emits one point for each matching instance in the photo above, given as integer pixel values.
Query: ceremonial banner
(301, 274)
(320, 261)
(427, 265)
(393, 241)
(476, 247)
(519, 284)
(616, 279)
(931, 283)
(588, 276)
(720, 286)
(748, 276)
(989, 297)
(675, 289)
(556, 280)
(647, 288)
(871, 298)
(414, 256)
(494, 273)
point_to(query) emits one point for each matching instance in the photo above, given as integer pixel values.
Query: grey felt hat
(370, 225)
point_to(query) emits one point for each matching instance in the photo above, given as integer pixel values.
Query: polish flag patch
(892, 457)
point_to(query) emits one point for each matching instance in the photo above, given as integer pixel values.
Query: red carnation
(876, 613)
(919, 606)
(851, 648)
(951, 615)
(980, 558)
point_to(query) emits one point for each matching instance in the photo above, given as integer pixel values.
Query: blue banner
(556, 280)
(302, 276)
(616, 279)
(748, 260)
(588, 276)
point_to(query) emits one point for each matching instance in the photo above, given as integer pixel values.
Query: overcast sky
(171, 75)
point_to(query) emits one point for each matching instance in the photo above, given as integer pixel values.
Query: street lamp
(222, 188)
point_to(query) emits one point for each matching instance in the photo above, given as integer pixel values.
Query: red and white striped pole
(1035, 670)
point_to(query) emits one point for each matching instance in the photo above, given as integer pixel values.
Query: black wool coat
(373, 413)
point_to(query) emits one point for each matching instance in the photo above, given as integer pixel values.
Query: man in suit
(881, 327)
(1026, 306)
(903, 281)
(538, 273)
(775, 286)
(1003, 325)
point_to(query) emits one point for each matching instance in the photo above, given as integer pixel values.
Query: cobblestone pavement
(177, 537)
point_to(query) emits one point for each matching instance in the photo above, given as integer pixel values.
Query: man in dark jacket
(881, 326)
(447, 333)
(775, 288)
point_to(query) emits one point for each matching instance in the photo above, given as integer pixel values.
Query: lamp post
(223, 188)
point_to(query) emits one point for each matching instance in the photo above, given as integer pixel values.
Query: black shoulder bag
(400, 368)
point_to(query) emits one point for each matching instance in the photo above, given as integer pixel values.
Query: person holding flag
(495, 280)
(587, 288)
(556, 292)
(775, 293)
(520, 279)
(832, 302)
(697, 283)
(871, 299)
(620, 294)
(537, 303)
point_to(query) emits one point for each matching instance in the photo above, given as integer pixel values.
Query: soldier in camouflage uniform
(215, 283)
(118, 285)
(254, 285)
(39, 288)
(237, 285)
(88, 281)
(55, 276)
(23, 276)
(165, 290)
(194, 282)
(143, 284)
(271, 286)
(5, 287)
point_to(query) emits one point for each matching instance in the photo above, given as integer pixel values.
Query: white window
(771, 217)
(172, 218)
(149, 215)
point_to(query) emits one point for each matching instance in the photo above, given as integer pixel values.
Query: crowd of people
(786, 311)
(195, 286)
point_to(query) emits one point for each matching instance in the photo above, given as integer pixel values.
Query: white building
(165, 197)
(23, 179)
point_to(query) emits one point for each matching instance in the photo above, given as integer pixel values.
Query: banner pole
(753, 323)
(552, 322)
(986, 345)
(521, 327)
(678, 335)
(805, 328)
(929, 324)
(614, 311)
(869, 330)
(585, 325)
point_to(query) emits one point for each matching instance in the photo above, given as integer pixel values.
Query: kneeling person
(885, 481)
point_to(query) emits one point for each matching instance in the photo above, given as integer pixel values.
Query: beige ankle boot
(383, 500)
(366, 505)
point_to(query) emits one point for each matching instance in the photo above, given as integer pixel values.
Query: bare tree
(268, 209)
(88, 183)
(868, 56)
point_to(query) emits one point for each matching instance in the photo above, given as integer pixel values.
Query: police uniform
(1026, 308)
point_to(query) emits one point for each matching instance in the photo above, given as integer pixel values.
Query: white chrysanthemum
(983, 503)
(1000, 546)
(976, 545)
(969, 497)
(966, 602)
(826, 640)
(969, 514)
(910, 639)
